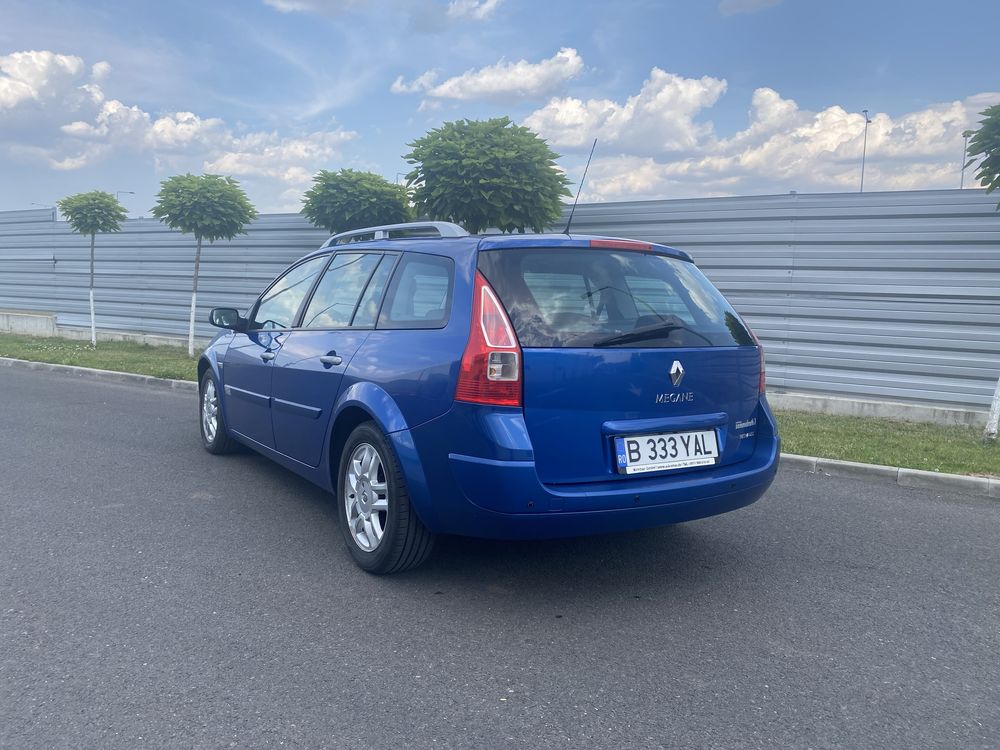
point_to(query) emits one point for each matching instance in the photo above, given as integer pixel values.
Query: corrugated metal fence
(879, 295)
(891, 296)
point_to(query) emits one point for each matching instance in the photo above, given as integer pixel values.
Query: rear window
(587, 298)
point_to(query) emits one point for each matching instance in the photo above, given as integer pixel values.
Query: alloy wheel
(210, 411)
(366, 497)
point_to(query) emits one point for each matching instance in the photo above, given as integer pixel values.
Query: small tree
(486, 173)
(209, 206)
(345, 200)
(90, 213)
(985, 143)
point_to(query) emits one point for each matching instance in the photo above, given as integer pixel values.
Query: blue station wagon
(500, 386)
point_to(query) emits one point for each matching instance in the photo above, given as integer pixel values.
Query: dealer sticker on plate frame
(638, 454)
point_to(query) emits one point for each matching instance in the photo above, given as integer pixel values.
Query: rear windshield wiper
(648, 332)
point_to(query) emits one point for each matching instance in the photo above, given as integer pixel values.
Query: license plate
(638, 454)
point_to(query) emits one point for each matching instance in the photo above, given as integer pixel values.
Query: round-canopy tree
(347, 199)
(209, 206)
(90, 213)
(486, 173)
(985, 143)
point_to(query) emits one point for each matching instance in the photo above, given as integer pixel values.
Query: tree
(985, 143)
(90, 213)
(486, 173)
(209, 206)
(345, 200)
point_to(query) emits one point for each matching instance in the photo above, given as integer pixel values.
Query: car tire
(211, 423)
(381, 529)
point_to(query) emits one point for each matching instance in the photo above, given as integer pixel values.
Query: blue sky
(705, 97)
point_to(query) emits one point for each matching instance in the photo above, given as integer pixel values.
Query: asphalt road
(152, 595)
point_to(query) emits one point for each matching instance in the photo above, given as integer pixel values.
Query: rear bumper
(482, 522)
(502, 498)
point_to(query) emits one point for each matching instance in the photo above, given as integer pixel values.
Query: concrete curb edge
(932, 480)
(102, 375)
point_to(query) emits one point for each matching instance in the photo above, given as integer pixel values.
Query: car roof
(457, 246)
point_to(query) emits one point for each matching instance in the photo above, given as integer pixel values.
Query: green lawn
(955, 450)
(159, 361)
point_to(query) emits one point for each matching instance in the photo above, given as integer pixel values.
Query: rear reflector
(621, 244)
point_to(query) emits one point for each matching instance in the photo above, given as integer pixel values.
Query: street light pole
(965, 152)
(864, 151)
(123, 192)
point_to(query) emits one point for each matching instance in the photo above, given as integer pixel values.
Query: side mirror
(227, 317)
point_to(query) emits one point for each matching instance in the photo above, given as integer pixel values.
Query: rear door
(626, 345)
(248, 362)
(309, 369)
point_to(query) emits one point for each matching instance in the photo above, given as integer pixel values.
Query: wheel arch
(361, 402)
(203, 366)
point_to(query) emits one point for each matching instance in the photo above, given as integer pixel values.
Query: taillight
(762, 383)
(491, 365)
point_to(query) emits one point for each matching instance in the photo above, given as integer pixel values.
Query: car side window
(367, 311)
(419, 294)
(280, 303)
(338, 292)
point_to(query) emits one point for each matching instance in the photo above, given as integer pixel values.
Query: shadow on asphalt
(691, 555)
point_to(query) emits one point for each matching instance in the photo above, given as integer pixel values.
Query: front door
(248, 363)
(310, 367)
(247, 377)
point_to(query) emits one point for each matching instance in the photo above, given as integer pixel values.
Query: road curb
(110, 376)
(930, 480)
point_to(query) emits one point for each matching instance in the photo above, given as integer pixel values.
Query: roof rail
(409, 229)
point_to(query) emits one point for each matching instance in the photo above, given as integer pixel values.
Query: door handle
(329, 360)
(268, 356)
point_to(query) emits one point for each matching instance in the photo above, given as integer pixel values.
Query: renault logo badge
(676, 373)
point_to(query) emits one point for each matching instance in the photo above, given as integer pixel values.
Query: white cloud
(653, 144)
(115, 121)
(73, 125)
(183, 131)
(732, 7)
(293, 160)
(659, 118)
(36, 75)
(504, 80)
(422, 82)
(313, 6)
(100, 70)
(478, 10)
(475, 10)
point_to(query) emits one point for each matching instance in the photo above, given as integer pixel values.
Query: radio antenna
(573, 210)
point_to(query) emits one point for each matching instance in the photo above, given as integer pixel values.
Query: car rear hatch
(633, 363)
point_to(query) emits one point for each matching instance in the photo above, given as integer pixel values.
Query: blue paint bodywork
(545, 470)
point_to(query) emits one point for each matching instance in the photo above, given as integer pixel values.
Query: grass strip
(121, 356)
(953, 450)
(912, 445)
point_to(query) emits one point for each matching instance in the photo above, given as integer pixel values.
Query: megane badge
(676, 373)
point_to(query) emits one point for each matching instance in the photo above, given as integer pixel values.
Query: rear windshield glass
(586, 298)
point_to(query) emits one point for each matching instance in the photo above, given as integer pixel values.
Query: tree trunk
(93, 323)
(993, 421)
(194, 298)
